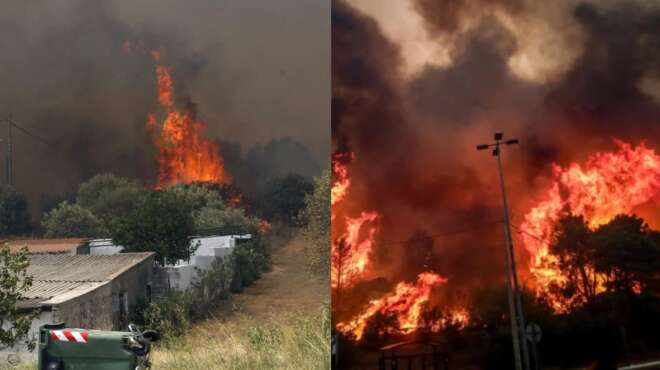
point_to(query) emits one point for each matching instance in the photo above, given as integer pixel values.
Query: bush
(212, 220)
(108, 196)
(315, 218)
(71, 220)
(248, 261)
(170, 316)
(173, 314)
(212, 286)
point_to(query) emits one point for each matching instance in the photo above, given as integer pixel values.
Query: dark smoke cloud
(255, 71)
(415, 138)
(601, 92)
(447, 16)
(417, 194)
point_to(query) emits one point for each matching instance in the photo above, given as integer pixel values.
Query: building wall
(21, 349)
(108, 307)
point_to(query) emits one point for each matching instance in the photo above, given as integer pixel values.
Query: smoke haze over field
(256, 71)
(417, 84)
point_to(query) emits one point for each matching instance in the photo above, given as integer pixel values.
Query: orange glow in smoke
(608, 184)
(184, 156)
(405, 302)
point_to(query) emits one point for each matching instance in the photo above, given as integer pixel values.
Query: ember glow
(184, 156)
(406, 302)
(608, 184)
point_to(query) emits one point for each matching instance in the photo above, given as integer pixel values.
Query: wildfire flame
(340, 187)
(184, 156)
(351, 250)
(608, 184)
(405, 302)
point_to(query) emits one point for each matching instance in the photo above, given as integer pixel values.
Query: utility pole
(9, 174)
(520, 352)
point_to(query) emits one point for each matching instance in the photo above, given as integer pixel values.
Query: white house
(181, 275)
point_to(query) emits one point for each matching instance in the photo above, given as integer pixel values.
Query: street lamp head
(482, 146)
(498, 135)
(511, 141)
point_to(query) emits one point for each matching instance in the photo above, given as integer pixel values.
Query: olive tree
(14, 282)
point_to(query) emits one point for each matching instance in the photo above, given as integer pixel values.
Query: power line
(31, 134)
(448, 233)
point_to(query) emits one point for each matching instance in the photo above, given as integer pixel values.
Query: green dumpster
(62, 348)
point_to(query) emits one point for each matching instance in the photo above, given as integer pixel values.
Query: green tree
(316, 220)
(14, 214)
(14, 282)
(108, 196)
(212, 220)
(627, 253)
(161, 223)
(198, 195)
(284, 198)
(71, 220)
(624, 254)
(573, 246)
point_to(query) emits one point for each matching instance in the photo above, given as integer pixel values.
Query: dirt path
(285, 291)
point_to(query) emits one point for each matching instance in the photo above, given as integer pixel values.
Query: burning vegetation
(184, 155)
(609, 184)
(411, 198)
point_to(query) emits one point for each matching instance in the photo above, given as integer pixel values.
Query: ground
(277, 323)
(287, 290)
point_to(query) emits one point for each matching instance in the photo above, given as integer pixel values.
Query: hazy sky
(255, 70)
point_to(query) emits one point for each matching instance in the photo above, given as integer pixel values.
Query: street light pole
(520, 352)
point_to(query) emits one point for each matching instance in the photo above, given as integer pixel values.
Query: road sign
(533, 332)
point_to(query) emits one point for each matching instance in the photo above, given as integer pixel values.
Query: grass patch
(244, 343)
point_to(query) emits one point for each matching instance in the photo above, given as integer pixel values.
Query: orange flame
(183, 155)
(351, 250)
(406, 303)
(607, 185)
(340, 187)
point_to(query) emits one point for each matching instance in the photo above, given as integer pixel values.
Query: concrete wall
(21, 350)
(102, 308)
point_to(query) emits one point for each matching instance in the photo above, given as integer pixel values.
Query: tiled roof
(58, 277)
(36, 246)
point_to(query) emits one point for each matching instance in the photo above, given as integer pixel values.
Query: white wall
(45, 317)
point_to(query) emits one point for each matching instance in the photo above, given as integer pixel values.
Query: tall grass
(243, 343)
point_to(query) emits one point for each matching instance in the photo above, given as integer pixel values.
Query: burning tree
(609, 184)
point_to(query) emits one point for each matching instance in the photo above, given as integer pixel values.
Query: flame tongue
(405, 302)
(609, 184)
(351, 250)
(184, 156)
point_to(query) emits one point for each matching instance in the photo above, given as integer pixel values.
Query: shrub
(71, 220)
(170, 315)
(212, 286)
(315, 218)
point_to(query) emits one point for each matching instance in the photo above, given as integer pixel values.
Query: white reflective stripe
(60, 335)
(79, 338)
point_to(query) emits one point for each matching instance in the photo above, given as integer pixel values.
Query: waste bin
(62, 348)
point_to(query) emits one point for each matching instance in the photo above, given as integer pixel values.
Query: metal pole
(10, 169)
(512, 268)
(515, 333)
